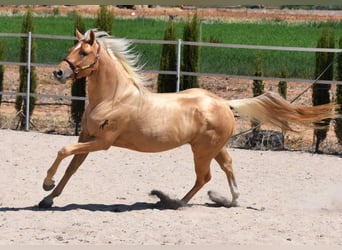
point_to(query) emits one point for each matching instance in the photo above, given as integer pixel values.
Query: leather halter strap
(76, 69)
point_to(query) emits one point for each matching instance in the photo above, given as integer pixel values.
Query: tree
(191, 53)
(20, 104)
(2, 69)
(258, 89)
(104, 19)
(258, 85)
(78, 87)
(168, 61)
(282, 85)
(320, 92)
(338, 121)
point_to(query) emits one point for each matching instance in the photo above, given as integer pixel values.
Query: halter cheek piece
(76, 69)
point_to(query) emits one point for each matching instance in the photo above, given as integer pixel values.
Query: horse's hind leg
(225, 162)
(202, 169)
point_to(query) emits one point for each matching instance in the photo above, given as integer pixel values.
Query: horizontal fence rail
(178, 73)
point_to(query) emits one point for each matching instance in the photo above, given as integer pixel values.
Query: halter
(76, 69)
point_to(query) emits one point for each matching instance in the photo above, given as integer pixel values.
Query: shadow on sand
(165, 203)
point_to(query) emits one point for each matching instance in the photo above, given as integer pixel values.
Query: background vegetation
(21, 102)
(2, 49)
(213, 60)
(168, 62)
(78, 87)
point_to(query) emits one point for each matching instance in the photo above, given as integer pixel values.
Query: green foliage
(168, 61)
(78, 87)
(20, 103)
(2, 68)
(258, 85)
(190, 59)
(212, 60)
(282, 85)
(320, 92)
(338, 121)
(104, 19)
(56, 11)
(214, 39)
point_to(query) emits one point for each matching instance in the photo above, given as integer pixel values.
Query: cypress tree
(78, 87)
(104, 19)
(191, 53)
(258, 85)
(282, 85)
(338, 121)
(258, 89)
(2, 69)
(320, 92)
(168, 61)
(20, 104)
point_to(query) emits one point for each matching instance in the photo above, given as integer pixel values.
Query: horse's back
(209, 112)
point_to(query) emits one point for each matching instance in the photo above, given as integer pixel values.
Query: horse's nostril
(58, 73)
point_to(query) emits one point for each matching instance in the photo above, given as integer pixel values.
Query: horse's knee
(62, 153)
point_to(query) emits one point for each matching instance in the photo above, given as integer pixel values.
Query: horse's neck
(109, 83)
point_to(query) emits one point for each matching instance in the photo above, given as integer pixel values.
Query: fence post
(28, 83)
(179, 43)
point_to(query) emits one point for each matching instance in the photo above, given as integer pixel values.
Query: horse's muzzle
(62, 74)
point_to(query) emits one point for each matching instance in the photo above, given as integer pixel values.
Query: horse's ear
(78, 34)
(92, 37)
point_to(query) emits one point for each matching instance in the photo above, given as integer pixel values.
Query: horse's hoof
(45, 203)
(47, 187)
(221, 201)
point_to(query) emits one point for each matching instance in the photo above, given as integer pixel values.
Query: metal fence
(178, 72)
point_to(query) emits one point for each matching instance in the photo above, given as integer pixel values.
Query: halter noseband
(76, 69)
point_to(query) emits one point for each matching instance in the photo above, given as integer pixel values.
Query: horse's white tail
(273, 109)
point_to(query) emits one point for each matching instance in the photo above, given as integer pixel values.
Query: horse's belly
(151, 142)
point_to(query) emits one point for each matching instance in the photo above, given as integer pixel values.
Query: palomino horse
(120, 112)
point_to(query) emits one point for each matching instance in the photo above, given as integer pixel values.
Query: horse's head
(81, 60)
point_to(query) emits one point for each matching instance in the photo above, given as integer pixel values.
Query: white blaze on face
(77, 46)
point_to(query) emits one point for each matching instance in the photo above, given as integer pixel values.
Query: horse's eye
(83, 53)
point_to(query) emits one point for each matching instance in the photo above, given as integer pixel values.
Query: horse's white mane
(121, 49)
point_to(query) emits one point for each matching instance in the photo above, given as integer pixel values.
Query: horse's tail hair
(271, 108)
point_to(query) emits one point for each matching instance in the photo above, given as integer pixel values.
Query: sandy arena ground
(287, 198)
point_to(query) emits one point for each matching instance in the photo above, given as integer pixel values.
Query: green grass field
(213, 60)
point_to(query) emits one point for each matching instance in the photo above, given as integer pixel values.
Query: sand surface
(287, 198)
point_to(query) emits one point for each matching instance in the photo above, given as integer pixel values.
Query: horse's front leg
(49, 183)
(80, 151)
